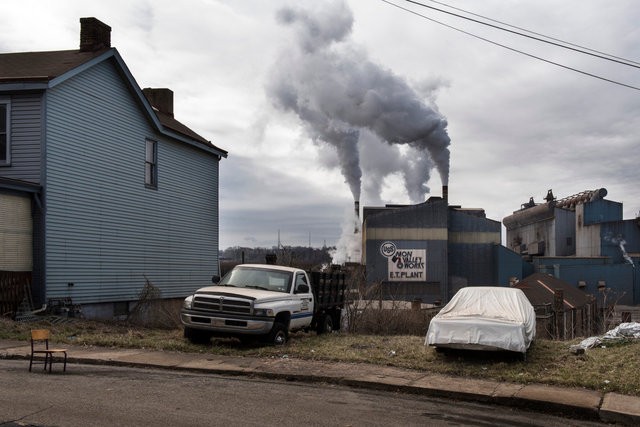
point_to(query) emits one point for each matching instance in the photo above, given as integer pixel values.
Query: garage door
(16, 233)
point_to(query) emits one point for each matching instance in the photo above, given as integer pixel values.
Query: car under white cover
(484, 318)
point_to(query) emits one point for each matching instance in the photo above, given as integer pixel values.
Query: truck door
(302, 301)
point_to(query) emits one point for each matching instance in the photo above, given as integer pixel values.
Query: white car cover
(484, 318)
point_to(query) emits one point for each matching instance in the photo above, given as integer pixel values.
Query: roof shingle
(45, 66)
(539, 289)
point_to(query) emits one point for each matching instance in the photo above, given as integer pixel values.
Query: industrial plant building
(582, 240)
(432, 249)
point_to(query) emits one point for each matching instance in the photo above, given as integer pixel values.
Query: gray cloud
(255, 204)
(519, 126)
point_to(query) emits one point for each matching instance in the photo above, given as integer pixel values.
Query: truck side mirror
(215, 279)
(302, 289)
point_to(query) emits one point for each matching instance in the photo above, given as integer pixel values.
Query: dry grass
(615, 368)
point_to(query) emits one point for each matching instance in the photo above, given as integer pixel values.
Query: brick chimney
(160, 98)
(94, 35)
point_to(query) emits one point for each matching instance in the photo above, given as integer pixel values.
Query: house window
(5, 145)
(151, 164)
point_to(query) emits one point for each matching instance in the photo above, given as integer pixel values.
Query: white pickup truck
(260, 301)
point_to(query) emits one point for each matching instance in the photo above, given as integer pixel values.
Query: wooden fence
(566, 324)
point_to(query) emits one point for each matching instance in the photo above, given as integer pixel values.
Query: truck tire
(196, 336)
(325, 325)
(278, 334)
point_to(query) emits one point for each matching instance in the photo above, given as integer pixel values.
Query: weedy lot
(615, 368)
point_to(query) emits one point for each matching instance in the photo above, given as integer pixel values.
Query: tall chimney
(94, 35)
(357, 209)
(445, 192)
(161, 98)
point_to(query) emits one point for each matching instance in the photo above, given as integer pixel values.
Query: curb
(577, 403)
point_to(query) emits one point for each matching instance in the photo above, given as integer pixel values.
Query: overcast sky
(276, 82)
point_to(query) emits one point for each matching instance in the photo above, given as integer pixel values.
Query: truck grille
(214, 304)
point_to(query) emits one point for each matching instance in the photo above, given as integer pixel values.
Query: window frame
(301, 279)
(7, 104)
(151, 165)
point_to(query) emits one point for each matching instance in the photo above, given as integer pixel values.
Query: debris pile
(622, 332)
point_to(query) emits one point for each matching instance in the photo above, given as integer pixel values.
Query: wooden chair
(38, 335)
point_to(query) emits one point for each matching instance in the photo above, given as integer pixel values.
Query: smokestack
(445, 192)
(357, 209)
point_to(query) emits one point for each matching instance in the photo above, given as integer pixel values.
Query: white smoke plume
(338, 94)
(619, 240)
(625, 255)
(349, 247)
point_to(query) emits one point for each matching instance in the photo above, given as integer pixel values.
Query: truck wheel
(196, 336)
(325, 325)
(278, 334)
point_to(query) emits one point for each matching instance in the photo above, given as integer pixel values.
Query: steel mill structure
(430, 250)
(582, 240)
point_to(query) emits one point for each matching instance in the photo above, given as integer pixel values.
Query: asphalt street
(94, 395)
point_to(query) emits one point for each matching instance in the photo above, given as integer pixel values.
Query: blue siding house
(100, 186)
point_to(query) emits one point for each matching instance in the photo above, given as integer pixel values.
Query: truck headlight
(188, 302)
(263, 312)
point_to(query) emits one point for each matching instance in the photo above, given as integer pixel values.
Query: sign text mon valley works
(405, 265)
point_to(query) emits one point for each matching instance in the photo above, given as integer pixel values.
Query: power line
(510, 48)
(561, 43)
(537, 34)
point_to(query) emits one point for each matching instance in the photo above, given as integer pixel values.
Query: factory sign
(405, 265)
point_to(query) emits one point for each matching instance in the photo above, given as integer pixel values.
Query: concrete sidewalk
(585, 404)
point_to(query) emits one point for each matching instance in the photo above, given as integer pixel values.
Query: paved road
(105, 395)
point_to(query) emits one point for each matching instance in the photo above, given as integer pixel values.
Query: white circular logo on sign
(388, 249)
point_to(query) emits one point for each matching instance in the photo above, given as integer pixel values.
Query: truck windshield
(257, 278)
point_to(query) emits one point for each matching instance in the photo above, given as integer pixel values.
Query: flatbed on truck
(329, 291)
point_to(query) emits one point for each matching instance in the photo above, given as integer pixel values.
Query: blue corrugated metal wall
(472, 258)
(619, 278)
(508, 264)
(429, 215)
(602, 211)
(433, 288)
(618, 236)
(104, 229)
(545, 263)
